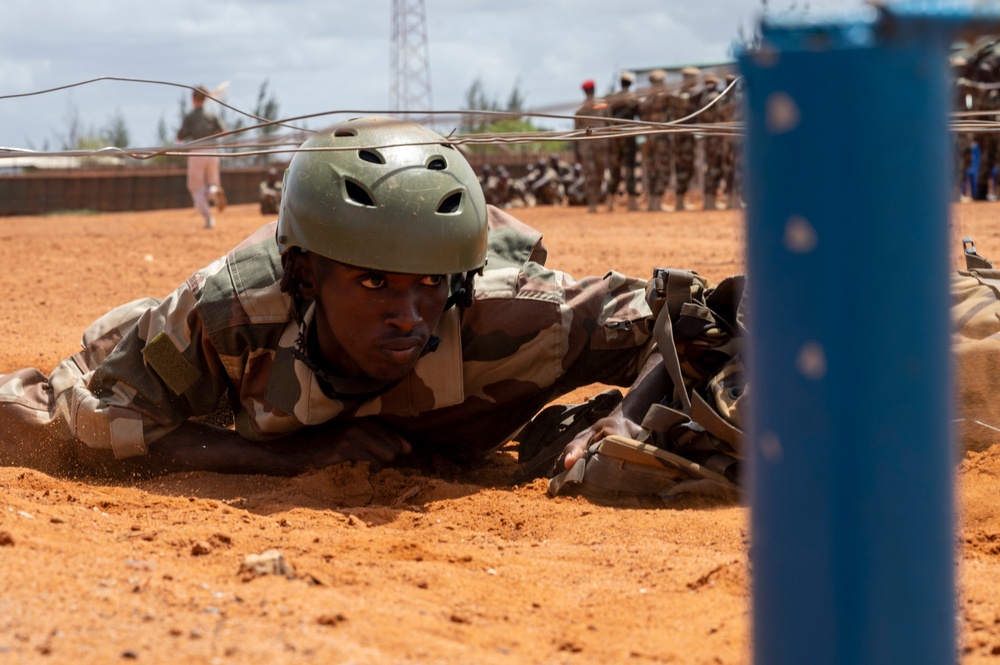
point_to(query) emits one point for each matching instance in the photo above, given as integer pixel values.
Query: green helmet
(391, 195)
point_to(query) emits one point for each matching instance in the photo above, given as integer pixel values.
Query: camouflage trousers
(656, 162)
(684, 162)
(989, 157)
(732, 166)
(714, 163)
(593, 162)
(40, 419)
(622, 166)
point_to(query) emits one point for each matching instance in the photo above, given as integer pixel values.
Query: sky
(326, 55)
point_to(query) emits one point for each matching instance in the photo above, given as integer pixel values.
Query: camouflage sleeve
(162, 372)
(603, 320)
(571, 331)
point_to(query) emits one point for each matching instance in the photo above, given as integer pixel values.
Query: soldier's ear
(304, 274)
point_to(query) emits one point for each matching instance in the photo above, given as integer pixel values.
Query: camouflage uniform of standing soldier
(269, 193)
(592, 153)
(715, 144)
(987, 100)
(623, 105)
(732, 164)
(657, 148)
(683, 103)
(203, 180)
(364, 324)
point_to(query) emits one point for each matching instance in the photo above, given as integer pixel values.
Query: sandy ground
(393, 567)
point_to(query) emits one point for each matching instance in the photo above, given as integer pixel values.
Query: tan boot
(681, 204)
(633, 203)
(734, 201)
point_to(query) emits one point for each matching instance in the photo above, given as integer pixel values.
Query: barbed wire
(252, 141)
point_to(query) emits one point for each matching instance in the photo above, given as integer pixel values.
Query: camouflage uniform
(623, 105)
(592, 153)
(269, 193)
(547, 186)
(229, 335)
(715, 145)
(657, 148)
(683, 103)
(732, 165)
(989, 147)
(575, 185)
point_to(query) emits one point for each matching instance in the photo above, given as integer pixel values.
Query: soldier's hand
(616, 423)
(363, 440)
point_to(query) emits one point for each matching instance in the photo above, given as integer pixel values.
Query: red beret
(588, 84)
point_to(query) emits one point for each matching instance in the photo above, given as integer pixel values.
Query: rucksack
(691, 440)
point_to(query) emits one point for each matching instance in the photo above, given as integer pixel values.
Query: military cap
(657, 75)
(588, 85)
(627, 77)
(690, 71)
(711, 78)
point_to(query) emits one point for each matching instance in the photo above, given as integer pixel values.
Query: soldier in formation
(684, 103)
(606, 169)
(592, 153)
(714, 144)
(623, 105)
(658, 147)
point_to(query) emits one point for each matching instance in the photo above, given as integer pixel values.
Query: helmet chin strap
(463, 296)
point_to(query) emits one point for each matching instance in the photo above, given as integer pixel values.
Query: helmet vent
(346, 131)
(358, 194)
(371, 156)
(451, 204)
(437, 164)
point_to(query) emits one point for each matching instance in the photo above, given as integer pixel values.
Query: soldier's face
(374, 324)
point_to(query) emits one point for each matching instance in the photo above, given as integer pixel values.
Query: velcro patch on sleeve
(175, 370)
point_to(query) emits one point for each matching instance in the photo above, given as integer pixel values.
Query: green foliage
(115, 133)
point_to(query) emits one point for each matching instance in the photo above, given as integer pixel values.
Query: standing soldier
(203, 181)
(989, 146)
(591, 153)
(714, 143)
(732, 163)
(963, 140)
(684, 102)
(624, 106)
(654, 107)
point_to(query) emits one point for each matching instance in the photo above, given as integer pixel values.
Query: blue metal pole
(850, 442)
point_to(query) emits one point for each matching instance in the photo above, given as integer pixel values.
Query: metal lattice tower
(410, 74)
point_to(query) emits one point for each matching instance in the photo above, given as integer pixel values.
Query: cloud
(318, 55)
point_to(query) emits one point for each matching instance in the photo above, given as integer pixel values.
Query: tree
(163, 136)
(476, 100)
(515, 101)
(115, 133)
(71, 138)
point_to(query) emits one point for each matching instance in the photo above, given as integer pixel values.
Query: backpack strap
(690, 441)
(669, 291)
(973, 261)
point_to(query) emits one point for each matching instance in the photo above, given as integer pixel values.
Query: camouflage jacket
(655, 106)
(229, 334)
